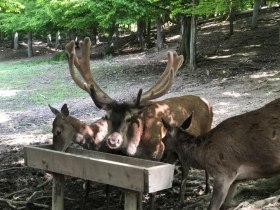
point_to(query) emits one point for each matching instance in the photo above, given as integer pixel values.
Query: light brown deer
(135, 127)
(240, 148)
(68, 129)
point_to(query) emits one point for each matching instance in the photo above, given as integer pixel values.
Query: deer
(134, 126)
(67, 129)
(243, 147)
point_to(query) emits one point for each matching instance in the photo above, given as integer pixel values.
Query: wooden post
(58, 192)
(130, 200)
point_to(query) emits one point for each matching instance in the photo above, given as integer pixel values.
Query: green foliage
(81, 16)
(10, 6)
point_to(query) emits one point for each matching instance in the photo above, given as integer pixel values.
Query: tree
(257, 5)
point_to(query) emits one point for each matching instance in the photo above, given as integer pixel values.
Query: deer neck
(192, 151)
(78, 125)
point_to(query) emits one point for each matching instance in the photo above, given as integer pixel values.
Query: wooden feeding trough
(132, 174)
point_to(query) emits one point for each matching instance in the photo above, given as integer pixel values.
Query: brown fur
(240, 148)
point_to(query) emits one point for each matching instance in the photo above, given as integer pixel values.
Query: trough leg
(58, 192)
(130, 200)
(139, 201)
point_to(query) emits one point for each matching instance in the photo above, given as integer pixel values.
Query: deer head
(63, 131)
(120, 116)
(68, 129)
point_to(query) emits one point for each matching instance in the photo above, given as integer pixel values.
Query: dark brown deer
(240, 148)
(135, 127)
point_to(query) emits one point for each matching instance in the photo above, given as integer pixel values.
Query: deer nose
(115, 140)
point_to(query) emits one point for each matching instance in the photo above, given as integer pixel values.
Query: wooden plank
(117, 158)
(58, 192)
(159, 178)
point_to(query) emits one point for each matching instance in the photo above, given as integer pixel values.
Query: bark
(148, 38)
(193, 43)
(231, 19)
(16, 41)
(185, 37)
(140, 33)
(49, 40)
(29, 45)
(159, 33)
(58, 40)
(257, 4)
(94, 36)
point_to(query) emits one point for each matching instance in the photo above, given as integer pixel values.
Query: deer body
(240, 148)
(144, 136)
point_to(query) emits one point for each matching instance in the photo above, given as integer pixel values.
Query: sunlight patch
(235, 94)
(263, 74)
(4, 117)
(8, 93)
(221, 56)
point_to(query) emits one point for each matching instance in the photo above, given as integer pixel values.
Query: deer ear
(138, 99)
(186, 124)
(64, 110)
(54, 110)
(166, 125)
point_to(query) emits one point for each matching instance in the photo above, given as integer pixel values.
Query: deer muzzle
(115, 140)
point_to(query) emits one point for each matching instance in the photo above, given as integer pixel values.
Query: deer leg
(231, 193)
(207, 184)
(185, 172)
(220, 191)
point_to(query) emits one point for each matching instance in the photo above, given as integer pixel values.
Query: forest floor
(235, 74)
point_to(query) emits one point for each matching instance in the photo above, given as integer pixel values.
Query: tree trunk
(94, 36)
(231, 19)
(185, 37)
(148, 39)
(140, 33)
(193, 43)
(49, 40)
(257, 4)
(58, 40)
(29, 44)
(159, 33)
(16, 41)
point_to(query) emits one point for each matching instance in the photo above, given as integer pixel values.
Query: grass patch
(40, 82)
(30, 83)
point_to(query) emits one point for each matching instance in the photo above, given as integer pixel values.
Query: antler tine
(83, 66)
(148, 95)
(166, 79)
(73, 60)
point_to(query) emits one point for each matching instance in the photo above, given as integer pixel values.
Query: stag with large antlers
(135, 126)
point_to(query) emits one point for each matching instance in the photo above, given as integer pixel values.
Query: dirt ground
(235, 74)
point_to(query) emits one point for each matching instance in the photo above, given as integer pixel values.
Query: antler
(83, 67)
(165, 81)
